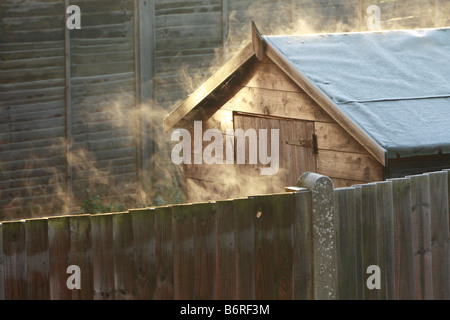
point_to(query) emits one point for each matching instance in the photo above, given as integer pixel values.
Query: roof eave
(208, 87)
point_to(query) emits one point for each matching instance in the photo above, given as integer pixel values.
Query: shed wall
(265, 90)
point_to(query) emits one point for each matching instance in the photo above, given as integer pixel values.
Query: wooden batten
(259, 44)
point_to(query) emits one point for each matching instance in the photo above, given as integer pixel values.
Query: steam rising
(161, 180)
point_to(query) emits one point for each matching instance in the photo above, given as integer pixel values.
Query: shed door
(296, 148)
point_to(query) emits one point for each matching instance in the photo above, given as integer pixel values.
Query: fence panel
(59, 252)
(102, 257)
(386, 246)
(303, 251)
(420, 196)
(404, 262)
(123, 245)
(278, 246)
(2, 265)
(440, 234)
(15, 260)
(369, 234)
(245, 249)
(345, 200)
(145, 255)
(164, 253)
(225, 251)
(204, 251)
(37, 248)
(183, 252)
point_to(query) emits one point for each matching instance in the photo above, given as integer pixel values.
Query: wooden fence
(314, 243)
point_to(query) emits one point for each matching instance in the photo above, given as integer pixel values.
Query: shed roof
(395, 85)
(389, 89)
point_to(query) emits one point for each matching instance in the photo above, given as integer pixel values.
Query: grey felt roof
(394, 85)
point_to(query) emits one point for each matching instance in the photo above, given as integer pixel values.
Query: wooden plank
(386, 253)
(123, 245)
(360, 272)
(303, 254)
(59, 255)
(262, 212)
(37, 248)
(265, 75)
(225, 251)
(331, 136)
(283, 210)
(164, 253)
(15, 260)
(68, 112)
(346, 243)
(344, 165)
(245, 246)
(208, 87)
(297, 105)
(421, 219)
(404, 258)
(144, 248)
(204, 252)
(369, 234)
(183, 252)
(439, 211)
(81, 255)
(102, 256)
(328, 106)
(2, 266)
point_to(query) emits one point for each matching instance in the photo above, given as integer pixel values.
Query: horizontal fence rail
(315, 243)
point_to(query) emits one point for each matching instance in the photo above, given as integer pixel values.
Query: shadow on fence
(314, 242)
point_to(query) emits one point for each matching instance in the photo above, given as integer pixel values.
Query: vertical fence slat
(102, 256)
(303, 255)
(404, 260)
(80, 255)
(164, 253)
(225, 251)
(369, 234)
(59, 253)
(360, 272)
(283, 206)
(263, 214)
(440, 234)
(144, 242)
(346, 243)
(15, 260)
(2, 266)
(123, 244)
(37, 259)
(204, 252)
(183, 252)
(421, 219)
(386, 252)
(245, 244)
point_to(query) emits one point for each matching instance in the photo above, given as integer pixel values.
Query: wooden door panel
(296, 153)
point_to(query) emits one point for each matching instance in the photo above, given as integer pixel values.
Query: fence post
(323, 234)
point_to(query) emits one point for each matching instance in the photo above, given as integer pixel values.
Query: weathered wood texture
(258, 247)
(262, 96)
(109, 75)
(57, 86)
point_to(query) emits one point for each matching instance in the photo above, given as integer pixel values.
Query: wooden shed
(357, 107)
